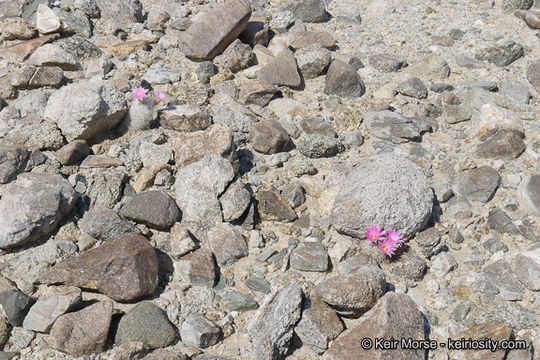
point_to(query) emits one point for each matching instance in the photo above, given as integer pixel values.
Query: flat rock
(73, 152)
(198, 268)
(312, 61)
(235, 201)
(105, 188)
(55, 302)
(432, 67)
(22, 50)
(303, 39)
(394, 127)
(124, 269)
(529, 193)
(237, 301)
(269, 137)
(182, 241)
(479, 184)
(413, 87)
(493, 118)
(17, 28)
(274, 207)
(526, 267)
(185, 118)
(498, 279)
(52, 55)
(199, 332)
(282, 70)
(501, 145)
(319, 146)
(387, 62)
(148, 324)
(227, 244)
(387, 190)
(100, 106)
(32, 206)
(236, 57)
(84, 331)
(309, 256)
(395, 316)
(273, 328)
(211, 33)
(155, 209)
(354, 293)
(502, 54)
(100, 161)
(120, 12)
(105, 224)
(308, 10)
(343, 80)
(497, 331)
(258, 92)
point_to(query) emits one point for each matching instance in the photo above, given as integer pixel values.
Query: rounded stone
(529, 193)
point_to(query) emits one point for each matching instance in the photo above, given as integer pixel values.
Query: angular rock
(32, 206)
(86, 108)
(342, 80)
(12, 161)
(192, 147)
(155, 156)
(309, 256)
(269, 137)
(531, 17)
(105, 224)
(199, 332)
(387, 62)
(155, 209)
(156, 20)
(124, 269)
(55, 302)
(182, 242)
(198, 268)
(235, 201)
(282, 70)
(517, 4)
(429, 242)
(496, 119)
(319, 146)
(395, 316)
(257, 92)
(529, 193)
(273, 328)
(273, 207)
(533, 74)
(105, 188)
(73, 152)
(454, 114)
(52, 55)
(227, 244)
(159, 75)
(413, 87)
(479, 184)
(302, 39)
(394, 127)
(120, 12)
(497, 331)
(501, 145)
(185, 118)
(148, 324)
(499, 279)
(17, 28)
(430, 68)
(16, 305)
(256, 32)
(294, 193)
(354, 293)
(47, 76)
(385, 189)
(237, 301)
(100, 161)
(308, 10)
(236, 57)
(84, 331)
(22, 50)
(526, 267)
(312, 61)
(210, 35)
(47, 21)
(502, 54)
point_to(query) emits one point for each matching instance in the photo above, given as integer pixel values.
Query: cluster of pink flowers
(140, 93)
(388, 241)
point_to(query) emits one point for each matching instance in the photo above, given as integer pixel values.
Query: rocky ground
(228, 220)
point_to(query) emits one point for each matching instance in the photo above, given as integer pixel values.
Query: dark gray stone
(257, 283)
(499, 279)
(227, 244)
(16, 305)
(12, 161)
(236, 301)
(343, 80)
(387, 62)
(501, 145)
(413, 87)
(153, 208)
(499, 221)
(479, 184)
(308, 10)
(394, 127)
(294, 193)
(105, 224)
(269, 137)
(502, 54)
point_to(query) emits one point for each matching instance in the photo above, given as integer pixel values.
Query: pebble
(155, 209)
(343, 81)
(199, 332)
(528, 193)
(479, 184)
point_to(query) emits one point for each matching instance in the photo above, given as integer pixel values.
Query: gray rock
(387, 62)
(308, 10)
(105, 188)
(215, 30)
(32, 206)
(355, 262)
(309, 256)
(273, 328)
(105, 224)
(46, 20)
(479, 184)
(52, 55)
(185, 118)
(258, 92)
(493, 119)
(269, 137)
(227, 243)
(205, 71)
(498, 278)
(354, 293)
(16, 305)
(73, 152)
(501, 145)
(517, 92)
(274, 207)
(294, 193)
(182, 242)
(526, 267)
(499, 221)
(533, 74)
(34, 102)
(410, 266)
(234, 201)
(413, 87)
(281, 70)
(197, 268)
(199, 332)
(429, 242)
(502, 54)
(99, 107)
(385, 189)
(394, 127)
(342, 80)
(460, 208)
(318, 146)
(12, 161)
(514, 314)
(236, 57)
(55, 302)
(153, 155)
(318, 125)
(89, 7)
(312, 61)
(156, 20)
(155, 209)
(236, 301)
(442, 264)
(529, 193)
(259, 284)
(148, 324)
(74, 22)
(120, 13)
(517, 4)
(159, 75)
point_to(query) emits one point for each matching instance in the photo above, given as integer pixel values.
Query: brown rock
(479, 184)
(227, 243)
(101, 161)
(201, 269)
(189, 148)
(236, 57)
(533, 75)
(256, 32)
(531, 17)
(124, 269)
(73, 152)
(282, 70)
(214, 31)
(185, 118)
(17, 28)
(22, 50)
(47, 76)
(84, 331)
(493, 118)
(257, 92)
(274, 207)
(302, 39)
(343, 80)
(494, 330)
(501, 145)
(269, 137)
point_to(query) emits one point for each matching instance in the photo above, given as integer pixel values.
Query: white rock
(47, 21)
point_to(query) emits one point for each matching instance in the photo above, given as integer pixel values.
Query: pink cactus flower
(140, 93)
(159, 97)
(394, 236)
(387, 247)
(374, 234)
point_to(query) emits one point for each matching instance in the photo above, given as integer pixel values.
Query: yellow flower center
(385, 248)
(373, 236)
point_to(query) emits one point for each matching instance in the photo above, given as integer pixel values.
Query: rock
(236, 57)
(4, 337)
(319, 325)
(105, 188)
(498, 279)
(155, 209)
(294, 193)
(155, 156)
(99, 107)
(257, 92)
(148, 324)
(342, 80)
(185, 118)
(531, 17)
(410, 266)
(308, 10)
(272, 329)
(22, 220)
(205, 71)
(395, 316)
(533, 75)
(182, 242)
(413, 87)
(124, 269)
(227, 244)
(159, 354)
(442, 264)
(12, 161)
(429, 242)
(84, 331)
(55, 302)
(10, 10)
(281, 21)
(495, 119)
(235, 201)
(454, 114)
(517, 4)
(156, 20)
(73, 152)
(159, 75)
(259, 284)
(479, 184)
(22, 50)
(281, 70)
(303, 39)
(526, 268)
(47, 76)
(529, 193)
(499, 221)
(17, 28)
(120, 13)
(387, 62)
(198, 268)
(199, 332)
(432, 67)
(74, 22)
(497, 331)
(35, 101)
(211, 33)
(237, 301)
(274, 207)
(100, 161)
(256, 32)
(309, 256)
(502, 54)
(394, 127)
(105, 224)
(52, 55)
(269, 137)
(47, 21)
(16, 305)
(312, 61)
(459, 207)
(192, 147)
(318, 146)
(501, 145)
(386, 190)
(354, 293)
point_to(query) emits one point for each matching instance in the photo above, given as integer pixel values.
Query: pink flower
(394, 236)
(159, 96)
(140, 93)
(374, 234)
(387, 247)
